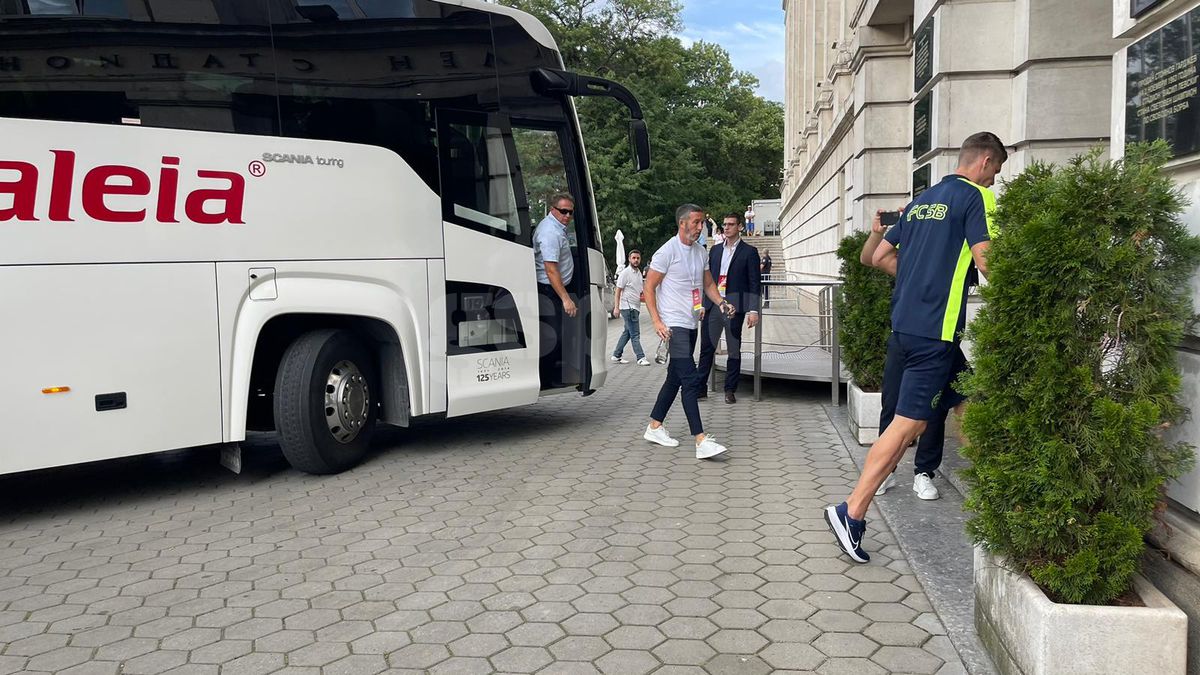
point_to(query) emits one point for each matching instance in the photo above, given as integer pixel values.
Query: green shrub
(1076, 377)
(865, 312)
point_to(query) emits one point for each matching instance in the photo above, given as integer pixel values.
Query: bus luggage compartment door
(135, 344)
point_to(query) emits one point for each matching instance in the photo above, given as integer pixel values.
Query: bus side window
(479, 181)
(113, 62)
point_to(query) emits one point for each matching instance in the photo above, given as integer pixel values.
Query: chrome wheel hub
(347, 401)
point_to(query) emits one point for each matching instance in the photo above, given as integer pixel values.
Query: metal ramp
(796, 338)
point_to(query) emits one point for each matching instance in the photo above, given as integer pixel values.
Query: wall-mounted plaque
(1140, 7)
(923, 55)
(1161, 92)
(920, 180)
(922, 121)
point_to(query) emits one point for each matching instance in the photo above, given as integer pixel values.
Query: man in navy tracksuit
(942, 233)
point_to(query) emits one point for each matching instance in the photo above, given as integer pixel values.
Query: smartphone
(889, 217)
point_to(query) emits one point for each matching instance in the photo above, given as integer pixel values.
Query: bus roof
(529, 22)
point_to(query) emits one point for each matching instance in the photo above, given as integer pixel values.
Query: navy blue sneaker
(847, 531)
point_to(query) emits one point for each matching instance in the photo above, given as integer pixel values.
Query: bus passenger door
(491, 293)
(540, 149)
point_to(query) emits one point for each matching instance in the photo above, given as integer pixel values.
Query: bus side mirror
(551, 82)
(639, 138)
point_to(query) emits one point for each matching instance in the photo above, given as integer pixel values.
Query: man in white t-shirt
(676, 285)
(627, 305)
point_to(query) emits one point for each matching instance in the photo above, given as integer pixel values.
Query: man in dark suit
(735, 266)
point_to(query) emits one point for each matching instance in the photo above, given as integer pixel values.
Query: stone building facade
(881, 92)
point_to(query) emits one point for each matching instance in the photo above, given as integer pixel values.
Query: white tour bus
(222, 215)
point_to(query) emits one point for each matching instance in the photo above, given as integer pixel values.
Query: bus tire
(326, 400)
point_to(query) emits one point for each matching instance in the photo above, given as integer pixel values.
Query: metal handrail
(827, 290)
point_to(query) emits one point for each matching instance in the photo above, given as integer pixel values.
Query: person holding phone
(941, 233)
(930, 445)
(676, 284)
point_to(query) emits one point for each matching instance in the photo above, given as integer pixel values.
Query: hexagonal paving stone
(896, 634)
(838, 620)
(907, 660)
(733, 641)
(579, 648)
(478, 645)
(742, 665)
(589, 624)
(419, 656)
(684, 652)
(539, 548)
(688, 628)
(845, 644)
(521, 659)
(635, 637)
(534, 634)
(627, 662)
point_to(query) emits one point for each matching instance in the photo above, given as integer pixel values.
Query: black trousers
(710, 333)
(550, 329)
(682, 376)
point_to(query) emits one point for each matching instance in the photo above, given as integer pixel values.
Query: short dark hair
(686, 210)
(559, 197)
(735, 216)
(632, 252)
(980, 143)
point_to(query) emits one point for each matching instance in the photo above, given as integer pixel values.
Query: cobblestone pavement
(546, 539)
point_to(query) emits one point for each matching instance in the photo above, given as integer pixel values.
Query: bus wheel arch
(392, 391)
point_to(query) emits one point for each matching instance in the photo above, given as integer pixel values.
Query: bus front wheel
(326, 398)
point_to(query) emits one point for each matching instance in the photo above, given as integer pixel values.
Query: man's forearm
(556, 281)
(713, 293)
(868, 249)
(617, 299)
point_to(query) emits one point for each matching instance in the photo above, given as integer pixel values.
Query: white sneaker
(924, 487)
(659, 436)
(709, 448)
(618, 359)
(643, 361)
(888, 482)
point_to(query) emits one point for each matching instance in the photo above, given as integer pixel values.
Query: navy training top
(933, 239)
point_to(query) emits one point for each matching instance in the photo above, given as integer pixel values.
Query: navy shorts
(929, 366)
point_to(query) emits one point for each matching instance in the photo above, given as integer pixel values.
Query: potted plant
(865, 314)
(1075, 382)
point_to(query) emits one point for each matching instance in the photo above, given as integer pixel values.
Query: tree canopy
(715, 142)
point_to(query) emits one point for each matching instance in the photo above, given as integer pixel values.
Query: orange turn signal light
(56, 390)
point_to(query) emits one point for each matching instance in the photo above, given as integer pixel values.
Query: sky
(750, 30)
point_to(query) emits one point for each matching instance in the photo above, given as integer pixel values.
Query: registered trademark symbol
(258, 169)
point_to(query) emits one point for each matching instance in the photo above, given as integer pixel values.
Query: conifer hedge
(865, 313)
(1075, 374)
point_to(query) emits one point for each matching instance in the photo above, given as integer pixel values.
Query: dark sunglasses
(565, 212)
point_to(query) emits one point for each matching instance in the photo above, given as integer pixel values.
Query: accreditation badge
(696, 306)
(721, 285)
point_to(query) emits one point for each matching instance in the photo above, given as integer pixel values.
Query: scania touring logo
(289, 158)
(219, 201)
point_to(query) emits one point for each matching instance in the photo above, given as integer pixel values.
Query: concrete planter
(864, 414)
(1027, 634)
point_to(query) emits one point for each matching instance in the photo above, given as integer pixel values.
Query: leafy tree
(715, 142)
(1076, 377)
